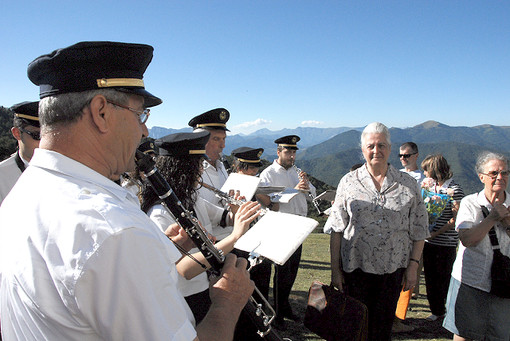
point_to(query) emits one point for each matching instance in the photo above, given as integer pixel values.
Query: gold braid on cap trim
(211, 125)
(28, 117)
(287, 145)
(248, 161)
(197, 151)
(111, 82)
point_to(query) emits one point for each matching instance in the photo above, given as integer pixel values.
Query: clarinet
(190, 224)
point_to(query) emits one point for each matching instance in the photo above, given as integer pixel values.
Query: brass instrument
(228, 198)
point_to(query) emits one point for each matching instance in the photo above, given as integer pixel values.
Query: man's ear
(100, 114)
(16, 133)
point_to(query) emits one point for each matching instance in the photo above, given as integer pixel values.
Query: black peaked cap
(94, 65)
(289, 141)
(212, 119)
(249, 155)
(183, 144)
(28, 112)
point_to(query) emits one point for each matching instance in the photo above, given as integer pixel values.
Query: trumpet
(228, 198)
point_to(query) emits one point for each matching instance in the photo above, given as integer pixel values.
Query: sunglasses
(405, 156)
(495, 174)
(33, 134)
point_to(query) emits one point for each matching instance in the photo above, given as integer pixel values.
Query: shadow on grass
(424, 330)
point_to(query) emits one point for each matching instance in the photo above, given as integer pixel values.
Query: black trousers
(199, 304)
(284, 278)
(380, 294)
(260, 274)
(437, 264)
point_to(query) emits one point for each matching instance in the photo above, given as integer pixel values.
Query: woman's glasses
(494, 174)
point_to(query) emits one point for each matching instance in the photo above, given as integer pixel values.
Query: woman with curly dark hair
(180, 163)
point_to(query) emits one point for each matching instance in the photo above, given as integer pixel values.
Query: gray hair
(486, 156)
(68, 108)
(375, 128)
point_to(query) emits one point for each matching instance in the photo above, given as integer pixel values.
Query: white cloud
(257, 123)
(311, 123)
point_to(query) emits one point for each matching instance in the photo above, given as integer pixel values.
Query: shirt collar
(56, 162)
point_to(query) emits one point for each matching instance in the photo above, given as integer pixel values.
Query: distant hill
(264, 138)
(461, 158)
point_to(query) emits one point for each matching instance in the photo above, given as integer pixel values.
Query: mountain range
(328, 153)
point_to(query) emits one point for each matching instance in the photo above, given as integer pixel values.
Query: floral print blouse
(379, 227)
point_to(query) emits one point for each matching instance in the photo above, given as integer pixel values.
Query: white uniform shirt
(215, 177)
(207, 214)
(473, 264)
(276, 175)
(9, 174)
(81, 261)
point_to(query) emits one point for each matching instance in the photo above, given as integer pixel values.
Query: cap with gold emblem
(212, 119)
(183, 144)
(289, 141)
(94, 65)
(249, 155)
(148, 147)
(28, 112)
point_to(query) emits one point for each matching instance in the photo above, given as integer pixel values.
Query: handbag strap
(492, 232)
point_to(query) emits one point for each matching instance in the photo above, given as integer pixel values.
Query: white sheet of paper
(277, 235)
(245, 184)
(285, 196)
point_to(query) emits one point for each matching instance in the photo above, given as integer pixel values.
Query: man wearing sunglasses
(408, 154)
(25, 130)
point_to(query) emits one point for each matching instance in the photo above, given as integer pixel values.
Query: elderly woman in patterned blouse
(379, 225)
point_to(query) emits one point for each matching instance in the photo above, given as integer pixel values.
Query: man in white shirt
(408, 154)
(25, 130)
(88, 264)
(282, 172)
(215, 173)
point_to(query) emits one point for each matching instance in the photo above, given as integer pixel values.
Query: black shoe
(279, 324)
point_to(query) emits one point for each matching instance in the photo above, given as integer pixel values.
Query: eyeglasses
(494, 174)
(143, 115)
(33, 134)
(405, 156)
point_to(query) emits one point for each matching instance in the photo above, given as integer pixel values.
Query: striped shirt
(449, 237)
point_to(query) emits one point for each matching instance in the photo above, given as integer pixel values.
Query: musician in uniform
(215, 173)
(282, 172)
(25, 130)
(247, 161)
(87, 263)
(179, 162)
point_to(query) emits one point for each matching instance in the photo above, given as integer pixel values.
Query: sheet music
(269, 189)
(277, 235)
(245, 184)
(285, 196)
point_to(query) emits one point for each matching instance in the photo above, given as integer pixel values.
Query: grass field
(315, 266)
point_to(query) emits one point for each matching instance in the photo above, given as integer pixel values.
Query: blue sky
(283, 64)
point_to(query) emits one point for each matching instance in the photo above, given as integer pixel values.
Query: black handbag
(334, 315)
(500, 269)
